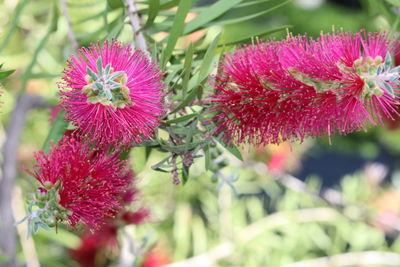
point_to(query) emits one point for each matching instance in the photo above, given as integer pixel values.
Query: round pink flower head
(78, 185)
(112, 94)
(299, 87)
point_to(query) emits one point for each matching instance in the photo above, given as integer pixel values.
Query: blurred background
(318, 203)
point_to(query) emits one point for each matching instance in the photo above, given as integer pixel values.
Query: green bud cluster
(44, 210)
(378, 75)
(107, 86)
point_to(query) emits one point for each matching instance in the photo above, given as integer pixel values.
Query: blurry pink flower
(79, 185)
(299, 87)
(95, 249)
(135, 217)
(112, 94)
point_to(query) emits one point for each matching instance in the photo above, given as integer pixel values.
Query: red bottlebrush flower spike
(299, 87)
(78, 185)
(112, 94)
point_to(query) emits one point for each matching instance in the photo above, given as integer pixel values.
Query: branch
(16, 124)
(138, 37)
(71, 35)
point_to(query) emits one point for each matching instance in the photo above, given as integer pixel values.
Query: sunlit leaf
(154, 7)
(5, 73)
(210, 13)
(187, 68)
(394, 2)
(176, 30)
(113, 4)
(231, 148)
(208, 59)
(248, 17)
(182, 118)
(259, 33)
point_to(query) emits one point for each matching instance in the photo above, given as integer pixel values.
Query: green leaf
(95, 16)
(207, 157)
(56, 131)
(154, 7)
(148, 152)
(185, 174)
(91, 74)
(52, 28)
(116, 30)
(182, 118)
(176, 30)
(54, 20)
(114, 4)
(208, 59)
(210, 13)
(99, 63)
(183, 148)
(395, 70)
(171, 76)
(187, 69)
(260, 33)
(251, 3)
(22, 220)
(163, 6)
(14, 23)
(388, 61)
(388, 88)
(159, 164)
(248, 17)
(231, 148)
(5, 73)
(187, 100)
(394, 2)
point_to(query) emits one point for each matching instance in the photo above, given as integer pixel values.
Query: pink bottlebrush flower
(299, 87)
(79, 185)
(112, 94)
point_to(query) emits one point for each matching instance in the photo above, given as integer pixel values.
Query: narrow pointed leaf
(176, 30)
(210, 13)
(99, 64)
(231, 148)
(182, 118)
(91, 74)
(208, 59)
(5, 73)
(154, 7)
(187, 67)
(248, 17)
(388, 88)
